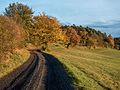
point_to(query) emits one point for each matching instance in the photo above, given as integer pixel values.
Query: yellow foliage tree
(47, 30)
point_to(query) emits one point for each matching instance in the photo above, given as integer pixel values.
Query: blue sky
(98, 14)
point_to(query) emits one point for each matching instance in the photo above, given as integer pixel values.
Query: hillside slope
(13, 61)
(91, 69)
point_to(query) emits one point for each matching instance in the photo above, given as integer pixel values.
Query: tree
(110, 40)
(47, 30)
(72, 37)
(84, 36)
(22, 14)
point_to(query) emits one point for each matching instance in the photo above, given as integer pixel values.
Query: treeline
(19, 27)
(89, 37)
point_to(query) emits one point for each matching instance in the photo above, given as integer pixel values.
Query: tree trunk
(68, 45)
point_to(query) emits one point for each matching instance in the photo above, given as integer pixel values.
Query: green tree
(22, 14)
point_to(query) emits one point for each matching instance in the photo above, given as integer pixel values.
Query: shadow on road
(57, 78)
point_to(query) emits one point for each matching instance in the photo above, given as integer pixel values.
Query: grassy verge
(15, 60)
(95, 69)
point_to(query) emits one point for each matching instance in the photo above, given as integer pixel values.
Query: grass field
(15, 60)
(91, 69)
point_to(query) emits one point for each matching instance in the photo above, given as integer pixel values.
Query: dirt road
(41, 72)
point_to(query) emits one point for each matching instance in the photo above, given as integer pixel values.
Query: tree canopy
(41, 30)
(47, 30)
(22, 14)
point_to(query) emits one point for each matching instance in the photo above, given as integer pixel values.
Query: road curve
(41, 72)
(28, 76)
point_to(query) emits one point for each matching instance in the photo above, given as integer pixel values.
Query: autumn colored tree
(90, 37)
(22, 14)
(84, 36)
(92, 42)
(110, 41)
(72, 37)
(47, 30)
(10, 35)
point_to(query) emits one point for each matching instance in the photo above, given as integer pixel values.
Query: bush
(10, 35)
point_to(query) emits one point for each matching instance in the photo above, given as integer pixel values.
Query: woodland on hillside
(19, 27)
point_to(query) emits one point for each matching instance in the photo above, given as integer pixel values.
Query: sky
(103, 15)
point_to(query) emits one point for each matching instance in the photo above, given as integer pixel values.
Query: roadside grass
(91, 69)
(15, 60)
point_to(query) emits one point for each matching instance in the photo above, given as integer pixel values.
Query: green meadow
(90, 69)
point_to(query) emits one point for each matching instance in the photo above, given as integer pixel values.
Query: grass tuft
(15, 60)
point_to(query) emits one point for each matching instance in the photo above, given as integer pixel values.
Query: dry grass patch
(13, 61)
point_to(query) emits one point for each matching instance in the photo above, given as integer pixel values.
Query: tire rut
(41, 72)
(31, 78)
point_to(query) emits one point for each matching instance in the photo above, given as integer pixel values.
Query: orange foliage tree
(47, 30)
(110, 40)
(72, 37)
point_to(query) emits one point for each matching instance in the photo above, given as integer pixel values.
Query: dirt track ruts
(41, 72)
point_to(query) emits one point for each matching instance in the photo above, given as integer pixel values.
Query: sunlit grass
(93, 69)
(15, 60)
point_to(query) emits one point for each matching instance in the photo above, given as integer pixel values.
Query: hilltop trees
(89, 37)
(47, 30)
(110, 41)
(22, 14)
(72, 37)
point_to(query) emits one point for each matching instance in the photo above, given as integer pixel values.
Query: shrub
(10, 35)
